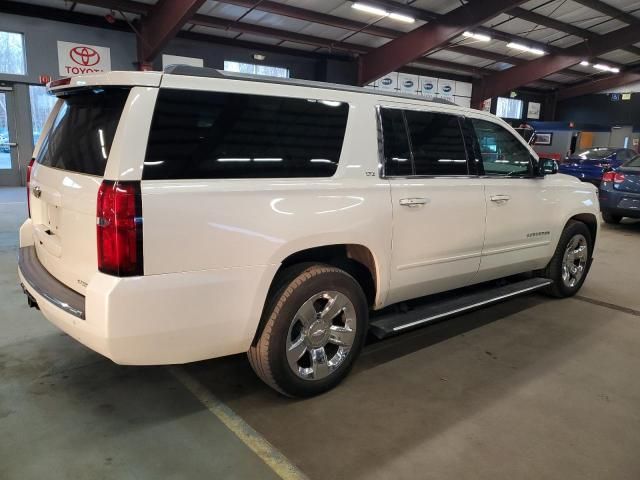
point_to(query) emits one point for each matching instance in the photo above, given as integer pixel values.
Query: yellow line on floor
(241, 429)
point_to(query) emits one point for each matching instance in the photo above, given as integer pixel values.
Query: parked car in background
(620, 192)
(589, 165)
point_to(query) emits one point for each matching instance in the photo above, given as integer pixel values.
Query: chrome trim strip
(469, 307)
(464, 256)
(47, 286)
(514, 248)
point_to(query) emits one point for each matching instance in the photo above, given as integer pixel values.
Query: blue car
(620, 192)
(589, 165)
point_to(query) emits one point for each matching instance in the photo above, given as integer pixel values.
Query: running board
(394, 323)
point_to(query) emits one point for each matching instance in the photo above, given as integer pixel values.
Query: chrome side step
(389, 324)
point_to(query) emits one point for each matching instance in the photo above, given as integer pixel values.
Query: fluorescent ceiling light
(614, 70)
(584, 63)
(402, 18)
(524, 48)
(363, 7)
(370, 9)
(477, 36)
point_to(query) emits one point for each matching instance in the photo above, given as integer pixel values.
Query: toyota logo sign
(85, 56)
(79, 58)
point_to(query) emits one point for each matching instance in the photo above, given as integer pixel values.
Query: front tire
(314, 330)
(570, 263)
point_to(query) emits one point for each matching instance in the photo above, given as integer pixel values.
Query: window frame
(480, 162)
(471, 169)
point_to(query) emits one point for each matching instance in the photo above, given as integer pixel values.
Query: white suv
(190, 214)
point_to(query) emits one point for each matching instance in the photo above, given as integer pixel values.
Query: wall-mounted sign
(486, 105)
(408, 83)
(388, 82)
(544, 138)
(79, 58)
(626, 96)
(446, 87)
(428, 85)
(533, 110)
(615, 97)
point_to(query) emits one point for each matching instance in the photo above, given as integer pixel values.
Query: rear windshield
(596, 153)
(231, 135)
(634, 162)
(82, 132)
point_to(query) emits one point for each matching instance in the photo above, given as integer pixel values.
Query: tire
(610, 218)
(562, 286)
(321, 349)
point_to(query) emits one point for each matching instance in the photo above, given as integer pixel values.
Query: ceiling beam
(425, 38)
(549, 22)
(533, 70)
(610, 11)
(162, 24)
(598, 85)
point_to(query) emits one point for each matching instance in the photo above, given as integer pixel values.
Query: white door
(519, 205)
(438, 204)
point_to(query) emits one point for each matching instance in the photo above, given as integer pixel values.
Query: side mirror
(548, 166)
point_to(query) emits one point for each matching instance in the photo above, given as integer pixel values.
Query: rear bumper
(625, 204)
(155, 319)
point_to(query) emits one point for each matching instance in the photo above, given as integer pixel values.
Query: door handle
(413, 202)
(500, 199)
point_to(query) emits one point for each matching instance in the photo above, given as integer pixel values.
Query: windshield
(634, 162)
(595, 153)
(80, 137)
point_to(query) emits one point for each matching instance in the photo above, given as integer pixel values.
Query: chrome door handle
(413, 202)
(500, 198)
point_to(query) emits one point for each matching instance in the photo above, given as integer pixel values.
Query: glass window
(397, 156)
(41, 105)
(501, 152)
(436, 143)
(256, 69)
(81, 134)
(12, 58)
(634, 162)
(509, 108)
(231, 135)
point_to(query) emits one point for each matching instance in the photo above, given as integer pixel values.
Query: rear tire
(610, 218)
(313, 330)
(570, 263)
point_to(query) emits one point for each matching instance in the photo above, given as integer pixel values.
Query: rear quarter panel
(192, 225)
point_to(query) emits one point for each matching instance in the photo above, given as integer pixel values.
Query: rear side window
(229, 135)
(81, 135)
(436, 143)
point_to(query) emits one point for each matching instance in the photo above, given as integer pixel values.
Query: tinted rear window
(81, 135)
(229, 135)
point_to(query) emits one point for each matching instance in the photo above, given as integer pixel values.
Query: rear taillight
(608, 177)
(615, 177)
(29, 167)
(119, 228)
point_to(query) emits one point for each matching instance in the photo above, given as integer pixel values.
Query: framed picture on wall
(544, 138)
(533, 110)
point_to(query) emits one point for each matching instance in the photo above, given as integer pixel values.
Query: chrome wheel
(574, 262)
(321, 335)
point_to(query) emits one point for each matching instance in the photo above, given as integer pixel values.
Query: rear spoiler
(119, 79)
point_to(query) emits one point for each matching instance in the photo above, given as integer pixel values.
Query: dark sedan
(589, 165)
(620, 192)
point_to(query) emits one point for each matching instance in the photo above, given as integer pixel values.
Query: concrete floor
(533, 388)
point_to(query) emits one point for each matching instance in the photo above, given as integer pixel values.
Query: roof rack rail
(188, 70)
